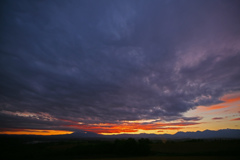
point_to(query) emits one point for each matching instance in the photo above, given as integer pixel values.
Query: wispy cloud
(39, 116)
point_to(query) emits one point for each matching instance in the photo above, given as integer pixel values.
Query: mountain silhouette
(223, 133)
(207, 134)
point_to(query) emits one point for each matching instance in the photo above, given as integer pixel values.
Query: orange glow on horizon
(136, 128)
(35, 132)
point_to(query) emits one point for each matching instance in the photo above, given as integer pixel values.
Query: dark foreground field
(172, 158)
(118, 149)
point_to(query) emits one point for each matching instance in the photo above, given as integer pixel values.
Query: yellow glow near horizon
(140, 131)
(35, 132)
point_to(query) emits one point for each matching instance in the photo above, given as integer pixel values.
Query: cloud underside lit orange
(131, 127)
(34, 132)
(103, 128)
(228, 101)
(109, 128)
(214, 107)
(235, 119)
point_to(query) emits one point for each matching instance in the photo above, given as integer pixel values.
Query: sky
(119, 66)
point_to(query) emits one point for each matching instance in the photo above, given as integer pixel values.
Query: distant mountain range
(224, 133)
(207, 134)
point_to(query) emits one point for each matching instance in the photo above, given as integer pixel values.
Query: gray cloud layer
(103, 61)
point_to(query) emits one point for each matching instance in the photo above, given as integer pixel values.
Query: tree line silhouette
(119, 147)
(78, 148)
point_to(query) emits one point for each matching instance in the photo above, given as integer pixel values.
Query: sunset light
(120, 79)
(35, 132)
(119, 67)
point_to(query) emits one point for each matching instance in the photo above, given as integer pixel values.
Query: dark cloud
(217, 118)
(191, 118)
(107, 61)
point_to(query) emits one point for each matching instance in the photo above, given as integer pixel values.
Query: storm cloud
(110, 61)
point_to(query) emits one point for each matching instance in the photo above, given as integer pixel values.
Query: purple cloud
(108, 61)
